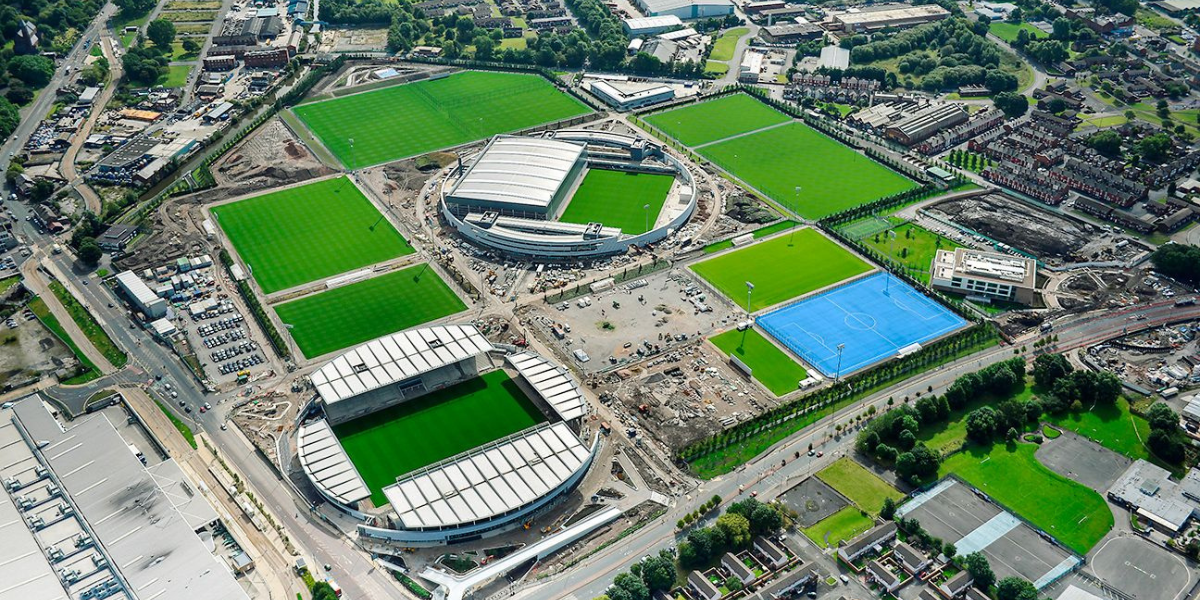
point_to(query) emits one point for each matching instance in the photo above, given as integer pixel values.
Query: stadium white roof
(489, 481)
(519, 170)
(395, 358)
(327, 465)
(552, 383)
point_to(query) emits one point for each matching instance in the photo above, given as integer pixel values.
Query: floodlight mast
(749, 288)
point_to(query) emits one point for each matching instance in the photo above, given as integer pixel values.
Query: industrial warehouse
(547, 197)
(386, 390)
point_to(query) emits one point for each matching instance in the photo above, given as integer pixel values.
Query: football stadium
(568, 194)
(434, 436)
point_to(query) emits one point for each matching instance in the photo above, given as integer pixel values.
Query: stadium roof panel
(490, 480)
(552, 383)
(328, 465)
(519, 170)
(395, 358)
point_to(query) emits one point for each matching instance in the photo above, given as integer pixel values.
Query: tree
(1160, 416)
(161, 32)
(949, 549)
(1049, 368)
(1015, 588)
(1154, 147)
(90, 252)
(10, 115)
(659, 573)
(917, 464)
(736, 529)
(981, 571)
(144, 65)
(1180, 261)
(1011, 435)
(1013, 105)
(888, 510)
(323, 591)
(135, 7)
(982, 424)
(632, 585)
(885, 453)
(33, 70)
(190, 45)
(999, 81)
(1166, 445)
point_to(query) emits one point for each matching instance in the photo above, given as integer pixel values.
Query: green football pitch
(397, 440)
(617, 199)
(718, 119)
(309, 232)
(771, 366)
(780, 268)
(831, 176)
(362, 311)
(410, 119)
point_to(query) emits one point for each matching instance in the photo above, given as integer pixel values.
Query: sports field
(831, 176)
(842, 526)
(410, 119)
(859, 485)
(617, 199)
(1110, 425)
(914, 247)
(1071, 512)
(771, 366)
(392, 442)
(362, 311)
(309, 232)
(781, 268)
(718, 119)
(871, 318)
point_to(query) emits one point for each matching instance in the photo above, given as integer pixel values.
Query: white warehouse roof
(395, 358)
(137, 288)
(644, 23)
(489, 481)
(552, 383)
(327, 464)
(519, 170)
(657, 6)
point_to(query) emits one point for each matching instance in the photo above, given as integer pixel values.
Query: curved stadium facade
(482, 490)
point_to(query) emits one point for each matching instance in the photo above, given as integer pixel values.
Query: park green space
(759, 233)
(405, 120)
(176, 76)
(88, 325)
(725, 45)
(780, 268)
(7, 283)
(1112, 426)
(305, 233)
(1011, 474)
(716, 68)
(858, 485)
(362, 311)
(712, 120)
(771, 366)
(914, 247)
(618, 198)
(42, 312)
(830, 176)
(842, 526)
(389, 443)
(1008, 31)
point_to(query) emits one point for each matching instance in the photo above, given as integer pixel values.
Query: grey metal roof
(396, 357)
(24, 570)
(148, 539)
(179, 491)
(490, 480)
(524, 171)
(327, 465)
(553, 383)
(136, 287)
(656, 6)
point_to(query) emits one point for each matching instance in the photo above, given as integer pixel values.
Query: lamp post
(351, 140)
(838, 374)
(887, 283)
(795, 213)
(749, 288)
(646, 211)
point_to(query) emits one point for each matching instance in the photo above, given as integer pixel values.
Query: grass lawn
(1111, 426)
(176, 76)
(39, 308)
(771, 366)
(7, 283)
(716, 68)
(913, 247)
(1008, 31)
(389, 443)
(859, 485)
(517, 43)
(360, 312)
(725, 45)
(759, 233)
(1102, 122)
(714, 120)
(781, 268)
(842, 526)
(182, 427)
(434, 114)
(1075, 515)
(831, 176)
(617, 198)
(178, 53)
(88, 325)
(309, 232)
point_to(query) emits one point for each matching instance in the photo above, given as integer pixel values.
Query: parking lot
(953, 512)
(1083, 460)
(813, 500)
(1141, 569)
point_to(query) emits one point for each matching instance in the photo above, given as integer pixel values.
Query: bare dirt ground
(272, 156)
(28, 351)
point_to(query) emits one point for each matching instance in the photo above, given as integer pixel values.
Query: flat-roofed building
(141, 295)
(982, 273)
(520, 176)
(624, 96)
(641, 26)
(891, 15)
(918, 125)
(790, 33)
(687, 9)
(751, 67)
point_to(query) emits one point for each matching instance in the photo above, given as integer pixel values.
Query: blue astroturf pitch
(874, 317)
